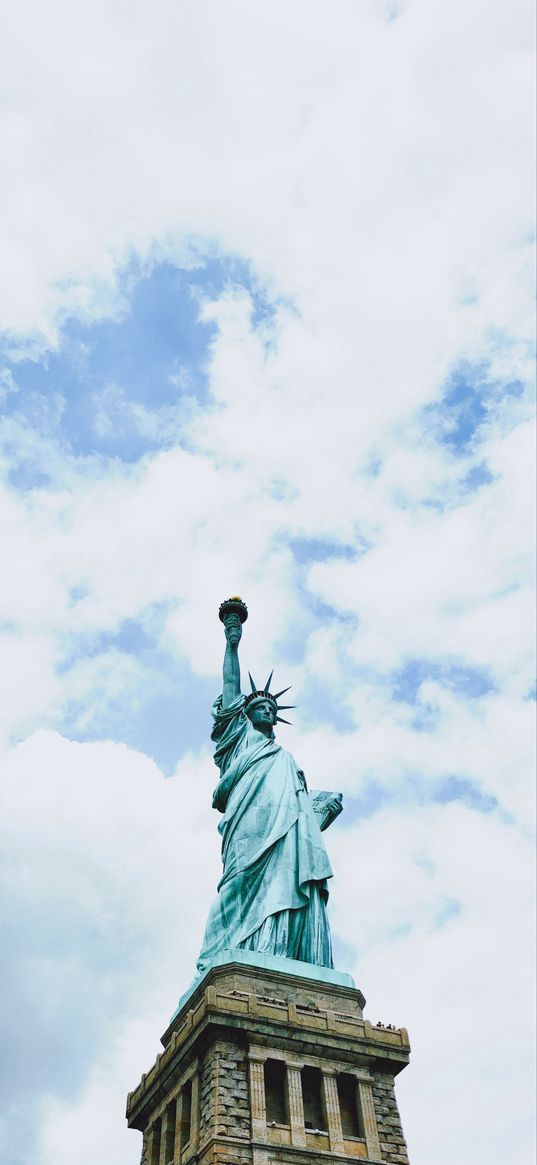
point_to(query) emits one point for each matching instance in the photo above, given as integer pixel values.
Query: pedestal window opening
(312, 1098)
(275, 1092)
(170, 1130)
(186, 1113)
(351, 1121)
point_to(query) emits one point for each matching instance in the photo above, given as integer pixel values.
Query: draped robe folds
(272, 895)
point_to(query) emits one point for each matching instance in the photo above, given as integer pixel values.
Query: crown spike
(282, 720)
(282, 693)
(285, 707)
(267, 685)
(253, 686)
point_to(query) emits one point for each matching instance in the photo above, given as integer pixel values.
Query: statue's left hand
(335, 806)
(327, 806)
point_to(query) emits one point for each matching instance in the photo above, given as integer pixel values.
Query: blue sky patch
(344, 953)
(477, 476)
(314, 612)
(449, 908)
(320, 705)
(416, 789)
(308, 550)
(161, 709)
(464, 407)
(166, 715)
(455, 788)
(459, 677)
(372, 798)
(125, 386)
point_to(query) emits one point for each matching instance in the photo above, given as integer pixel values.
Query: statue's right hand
(233, 630)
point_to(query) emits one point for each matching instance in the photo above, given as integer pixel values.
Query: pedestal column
(257, 1096)
(367, 1108)
(296, 1105)
(331, 1105)
(178, 1128)
(166, 1149)
(195, 1113)
(151, 1144)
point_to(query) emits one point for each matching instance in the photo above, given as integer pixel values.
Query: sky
(266, 328)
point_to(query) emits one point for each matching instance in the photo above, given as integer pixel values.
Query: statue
(273, 892)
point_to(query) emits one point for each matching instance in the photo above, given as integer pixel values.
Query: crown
(264, 694)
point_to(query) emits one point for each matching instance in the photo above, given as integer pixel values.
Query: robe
(273, 892)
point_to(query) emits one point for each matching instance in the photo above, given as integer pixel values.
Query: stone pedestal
(262, 1066)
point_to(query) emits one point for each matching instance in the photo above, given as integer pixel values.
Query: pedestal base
(264, 1066)
(267, 963)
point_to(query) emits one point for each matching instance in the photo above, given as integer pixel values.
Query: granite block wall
(392, 1142)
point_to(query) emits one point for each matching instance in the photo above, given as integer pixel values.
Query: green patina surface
(273, 892)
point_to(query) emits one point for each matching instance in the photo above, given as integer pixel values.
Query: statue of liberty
(273, 892)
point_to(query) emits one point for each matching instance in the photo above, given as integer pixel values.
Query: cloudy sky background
(266, 315)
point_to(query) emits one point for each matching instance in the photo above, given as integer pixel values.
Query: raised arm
(232, 671)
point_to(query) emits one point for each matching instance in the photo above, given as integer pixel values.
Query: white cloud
(374, 174)
(448, 976)
(375, 154)
(102, 940)
(448, 582)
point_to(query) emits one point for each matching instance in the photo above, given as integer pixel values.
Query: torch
(233, 606)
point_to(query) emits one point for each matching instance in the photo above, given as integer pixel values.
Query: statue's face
(262, 715)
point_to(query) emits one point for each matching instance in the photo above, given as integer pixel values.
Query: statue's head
(262, 706)
(263, 713)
